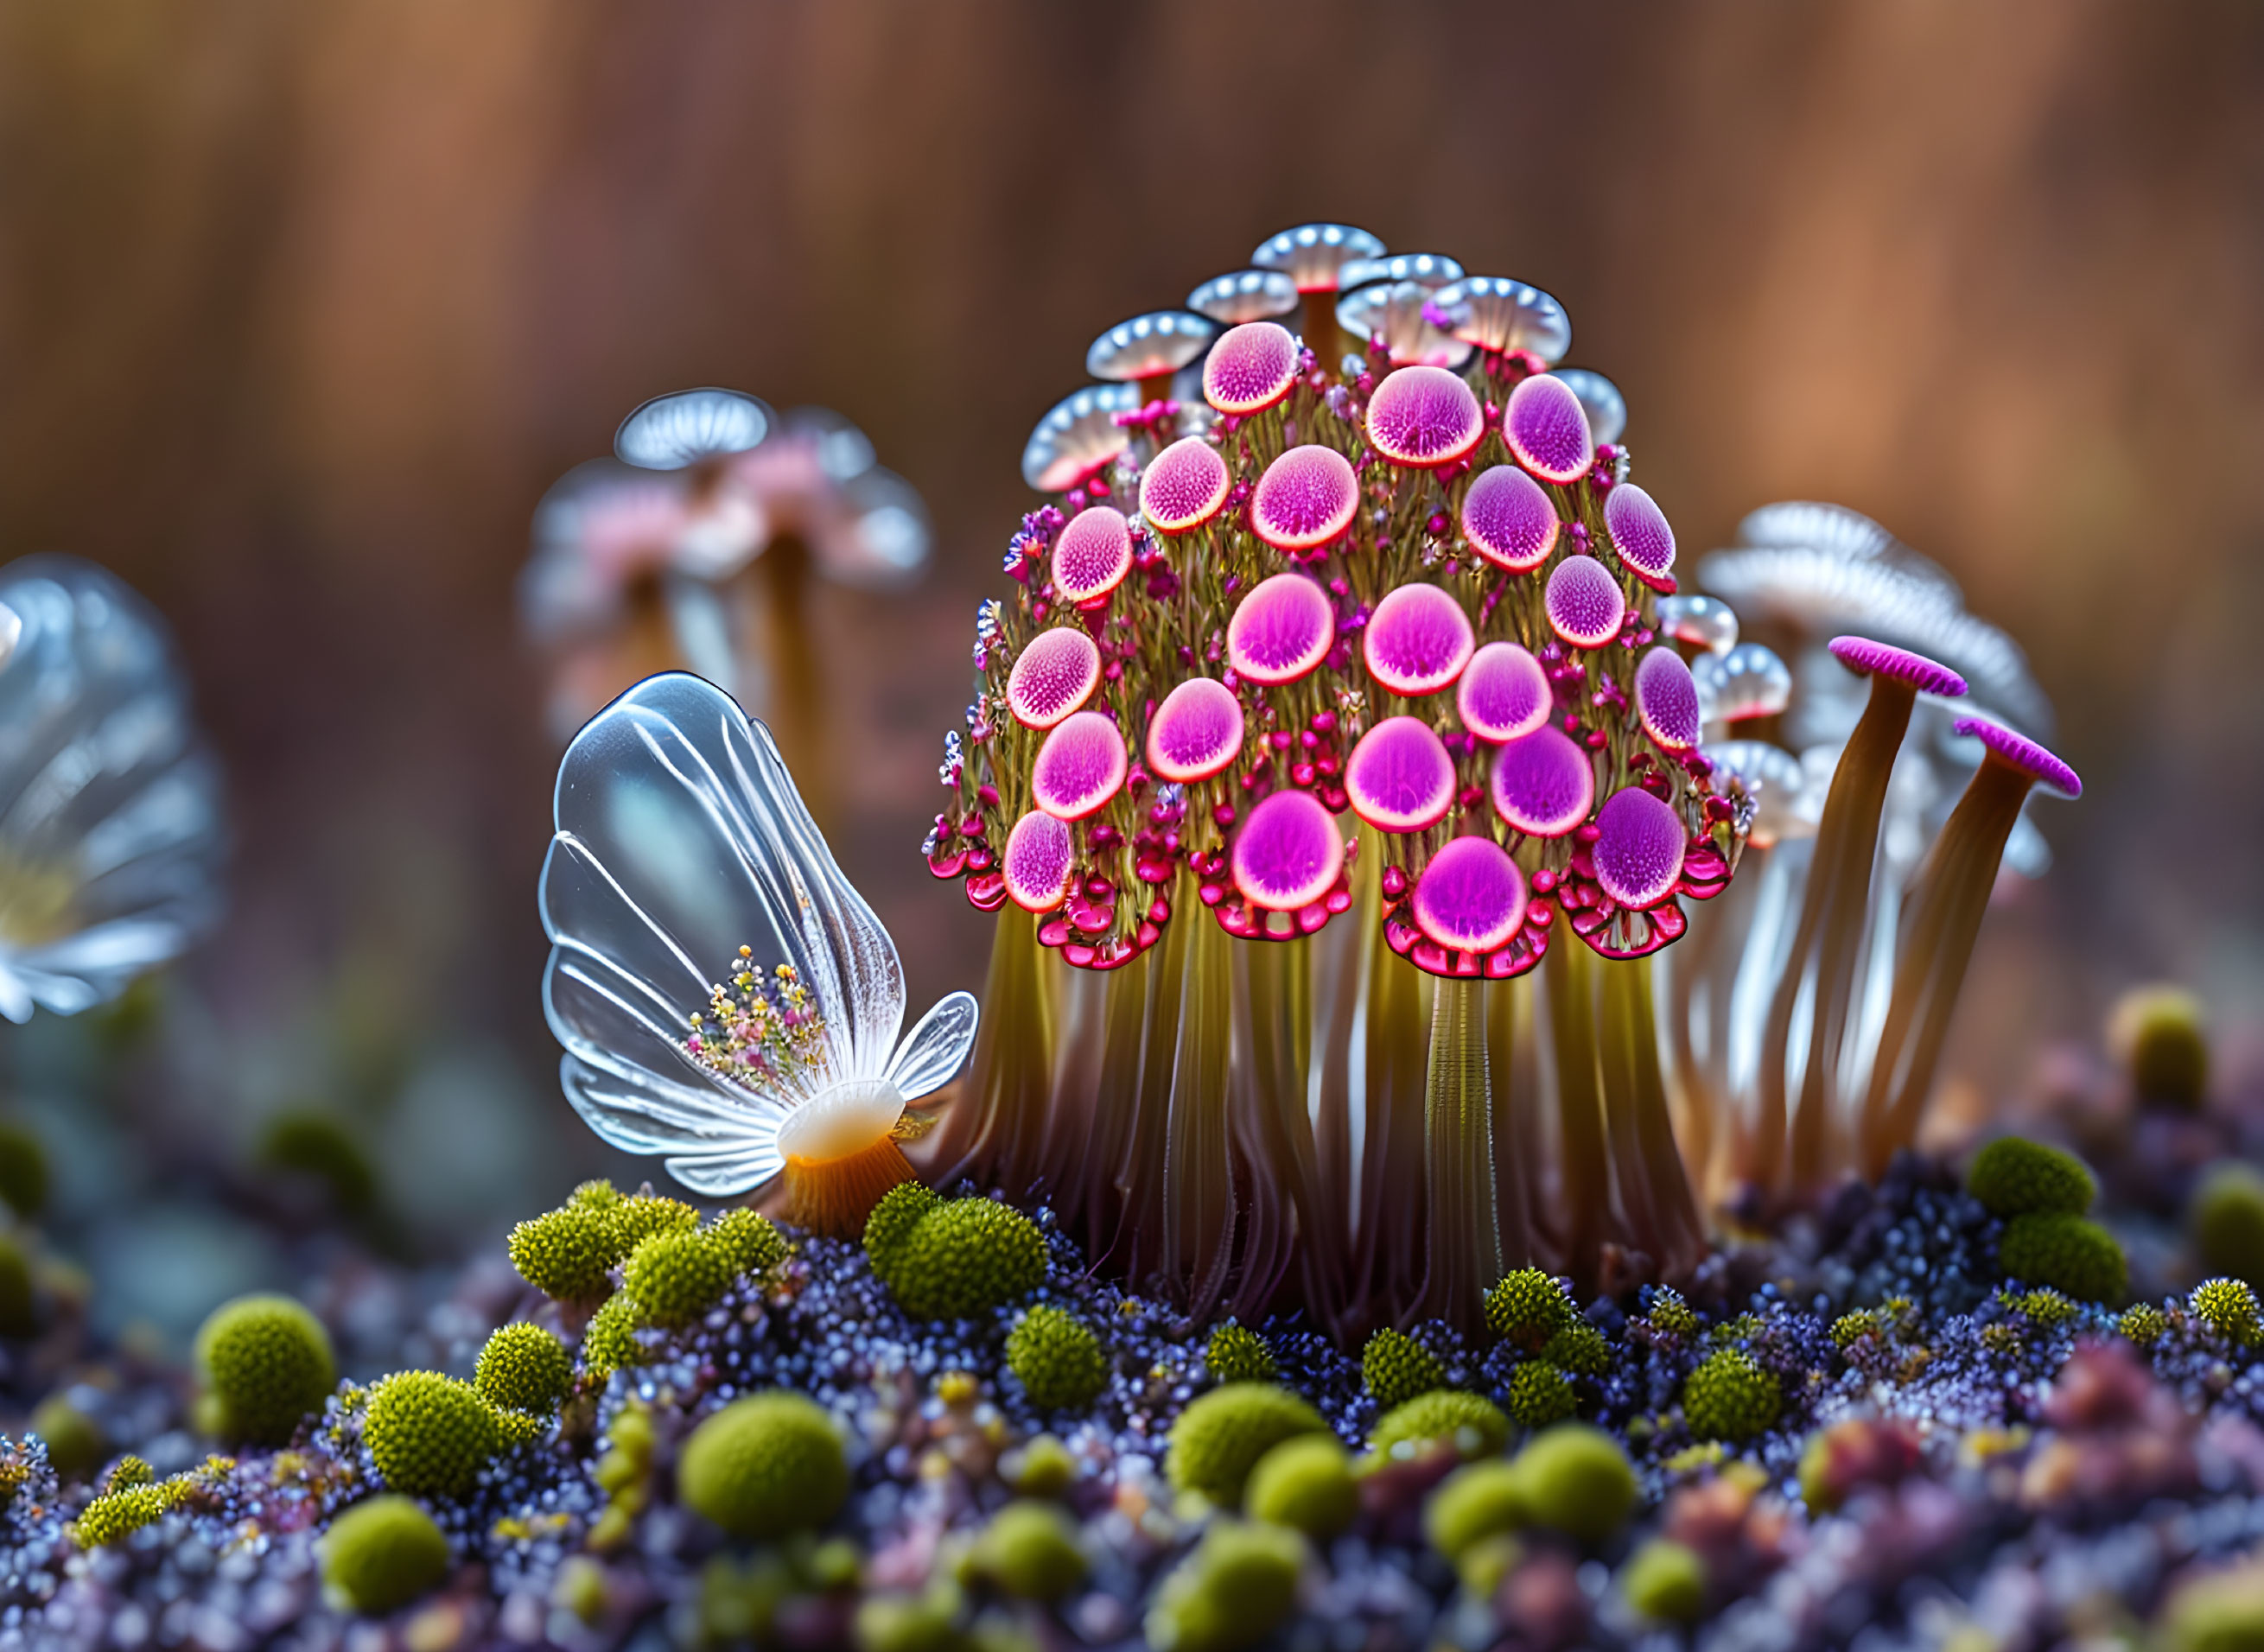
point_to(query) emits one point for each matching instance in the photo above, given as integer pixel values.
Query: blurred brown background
(302, 306)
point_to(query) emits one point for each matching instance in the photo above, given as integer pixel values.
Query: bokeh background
(302, 306)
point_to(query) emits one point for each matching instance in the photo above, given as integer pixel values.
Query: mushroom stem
(1322, 335)
(1654, 1187)
(1585, 1190)
(797, 701)
(1138, 1165)
(996, 1133)
(1946, 908)
(1272, 1133)
(1826, 944)
(1462, 1246)
(1519, 1144)
(1200, 1210)
(1386, 1254)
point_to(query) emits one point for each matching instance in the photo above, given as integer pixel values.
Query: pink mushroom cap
(1471, 896)
(1287, 854)
(1092, 554)
(1040, 853)
(1251, 367)
(1666, 699)
(1509, 519)
(1055, 674)
(1306, 498)
(1869, 658)
(1418, 640)
(2024, 754)
(1423, 417)
(1543, 783)
(1640, 535)
(1638, 854)
(1584, 603)
(1504, 693)
(1282, 630)
(1196, 731)
(1547, 429)
(1399, 776)
(1183, 485)
(1080, 767)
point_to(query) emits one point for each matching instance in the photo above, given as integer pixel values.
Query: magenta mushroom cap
(1040, 853)
(1638, 851)
(1547, 429)
(1504, 693)
(1869, 658)
(2024, 754)
(1055, 674)
(1640, 535)
(1543, 783)
(1092, 554)
(1584, 603)
(1281, 631)
(1399, 776)
(1418, 640)
(1251, 367)
(1287, 854)
(1183, 485)
(1509, 519)
(1666, 700)
(1080, 767)
(1471, 896)
(1307, 496)
(1196, 731)
(1423, 417)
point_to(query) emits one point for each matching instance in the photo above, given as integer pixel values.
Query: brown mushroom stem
(1585, 1190)
(1463, 1247)
(996, 1131)
(1654, 1188)
(1321, 333)
(797, 698)
(1519, 1133)
(1200, 1210)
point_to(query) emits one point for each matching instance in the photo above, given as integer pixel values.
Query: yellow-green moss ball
(746, 1241)
(566, 1254)
(1852, 1327)
(1306, 1482)
(1220, 1436)
(2227, 1307)
(318, 1146)
(908, 1623)
(127, 1471)
(1042, 1467)
(1395, 1368)
(1030, 1550)
(2226, 1221)
(267, 1361)
(1580, 1347)
(2161, 1033)
(1239, 1584)
(1577, 1479)
(430, 1434)
(900, 1210)
(2217, 1611)
(18, 1311)
(1477, 1501)
(1238, 1354)
(384, 1552)
(1472, 1424)
(23, 1171)
(1670, 1313)
(2066, 1252)
(674, 1276)
(610, 1343)
(1539, 1395)
(1664, 1581)
(1057, 1358)
(640, 1216)
(524, 1369)
(74, 1442)
(1728, 1397)
(2145, 1324)
(119, 1514)
(765, 1466)
(1527, 1307)
(964, 1258)
(2015, 1176)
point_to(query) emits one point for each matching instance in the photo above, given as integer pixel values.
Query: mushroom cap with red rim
(1183, 485)
(1288, 853)
(1054, 675)
(1399, 776)
(1196, 731)
(1470, 896)
(1080, 767)
(1282, 630)
(1308, 496)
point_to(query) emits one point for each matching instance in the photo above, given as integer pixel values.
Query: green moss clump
(1237, 1354)
(1306, 1482)
(129, 1471)
(117, 1515)
(674, 1276)
(1665, 1581)
(1527, 1307)
(23, 1171)
(1671, 1314)
(2067, 1253)
(2145, 1324)
(901, 1210)
(1852, 1327)
(1058, 1360)
(1043, 1467)
(2227, 1307)
(1030, 1550)
(958, 1259)
(746, 1241)
(1395, 1368)
(318, 1146)
(640, 1216)
(1476, 1502)
(566, 1254)
(1579, 1348)
(2044, 1306)
(1474, 1425)
(382, 1553)
(610, 1343)
(1728, 1397)
(1237, 1585)
(524, 1369)
(907, 1623)
(2015, 1176)
(765, 1466)
(2225, 1221)
(1218, 1440)
(267, 1363)
(597, 1194)
(2217, 1611)
(430, 1434)
(1577, 1479)
(75, 1441)
(2162, 1033)
(1539, 1395)
(18, 1309)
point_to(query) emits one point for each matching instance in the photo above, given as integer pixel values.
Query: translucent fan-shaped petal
(930, 1056)
(110, 831)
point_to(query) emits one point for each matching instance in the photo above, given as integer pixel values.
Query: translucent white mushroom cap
(1495, 312)
(1312, 255)
(671, 431)
(1162, 341)
(1244, 295)
(1078, 436)
(1397, 314)
(1600, 399)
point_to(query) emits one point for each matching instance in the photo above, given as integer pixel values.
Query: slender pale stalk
(1654, 1187)
(1462, 1228)
(797, 698)
(1199, 1206)
(1138, 1249)
(1289, 1221)
(1518, 1139)
(1585, 1191)
(995, 1132)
